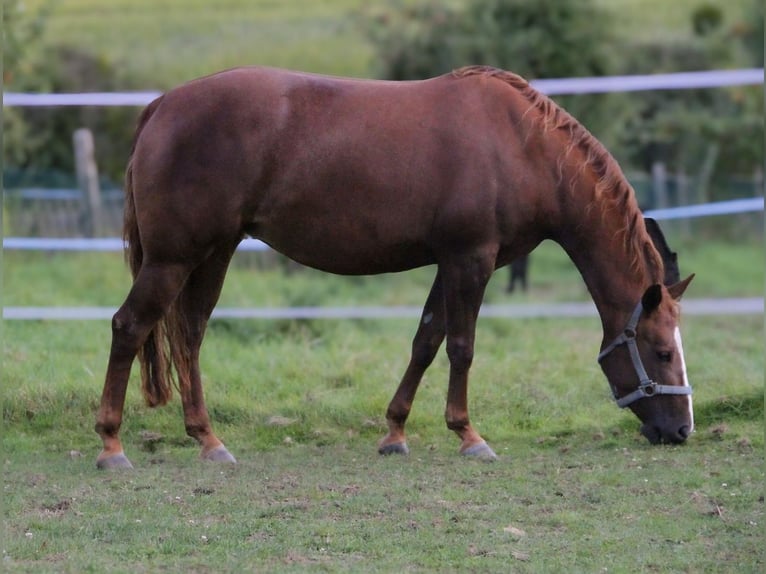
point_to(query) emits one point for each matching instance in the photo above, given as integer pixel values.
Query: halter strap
(646, 386)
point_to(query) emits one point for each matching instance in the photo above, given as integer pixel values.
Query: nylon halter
(646, 386)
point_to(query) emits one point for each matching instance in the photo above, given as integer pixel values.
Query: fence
(96, 212)
(552, 87)
(57, 213)
(69, 213)
(741, 306)
(747, 205)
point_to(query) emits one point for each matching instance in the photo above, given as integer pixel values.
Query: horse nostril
(684, 432)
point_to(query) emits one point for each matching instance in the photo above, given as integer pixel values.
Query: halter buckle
(649, 389)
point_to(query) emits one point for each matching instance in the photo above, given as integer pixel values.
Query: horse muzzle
(666, 434)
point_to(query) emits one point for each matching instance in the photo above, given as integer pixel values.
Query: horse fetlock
(458, 425)
(396, 417)
(107, 430)
(201, 433)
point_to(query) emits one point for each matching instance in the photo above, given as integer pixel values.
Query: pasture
(301, 405)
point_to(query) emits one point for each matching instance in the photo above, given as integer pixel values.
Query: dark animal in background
(519, 268)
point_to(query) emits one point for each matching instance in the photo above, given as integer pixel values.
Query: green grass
(333, 509)
(311, 493)
(301, 404)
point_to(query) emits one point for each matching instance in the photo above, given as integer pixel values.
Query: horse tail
(161, 347)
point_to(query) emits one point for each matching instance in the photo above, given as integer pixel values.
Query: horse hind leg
(196, 302)
(153, 291)
(425, 345)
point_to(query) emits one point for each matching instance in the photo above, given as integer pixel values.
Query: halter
(646, 386)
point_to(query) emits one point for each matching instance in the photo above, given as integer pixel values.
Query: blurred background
(678, 147)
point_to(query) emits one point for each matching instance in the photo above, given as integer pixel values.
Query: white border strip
(558, 86)
(732, 306)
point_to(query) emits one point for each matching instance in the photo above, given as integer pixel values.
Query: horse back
(383, 175)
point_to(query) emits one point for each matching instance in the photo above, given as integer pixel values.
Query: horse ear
(652, 298)
(677, 290)
(669, 257)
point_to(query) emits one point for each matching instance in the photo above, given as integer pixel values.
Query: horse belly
(344, 251)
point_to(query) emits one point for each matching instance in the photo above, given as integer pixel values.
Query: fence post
(682, 198)
(659, 185)
(87, 181)
(706, 172)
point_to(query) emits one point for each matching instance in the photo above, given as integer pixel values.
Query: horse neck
(604, 235)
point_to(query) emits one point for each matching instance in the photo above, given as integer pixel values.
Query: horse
(469, 171)
(518, 268)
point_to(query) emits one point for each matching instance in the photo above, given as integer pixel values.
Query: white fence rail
(741, 306)
(554, 86)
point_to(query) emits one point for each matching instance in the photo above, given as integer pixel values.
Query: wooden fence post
(706, 172)
(682, 198)
(659, 185)
(87, 181)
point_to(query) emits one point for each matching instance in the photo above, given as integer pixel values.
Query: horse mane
(613, 193)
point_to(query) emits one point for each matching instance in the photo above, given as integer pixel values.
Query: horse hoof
(481, 450)
(394, 448)
(219, 455)
(116, 461)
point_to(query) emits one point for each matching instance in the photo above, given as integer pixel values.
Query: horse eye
(664, 356)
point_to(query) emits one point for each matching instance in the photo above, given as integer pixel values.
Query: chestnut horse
(468, 171)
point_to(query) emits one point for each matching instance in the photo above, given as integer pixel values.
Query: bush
(43, 136)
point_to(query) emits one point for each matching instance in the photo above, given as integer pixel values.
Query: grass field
(301, 404)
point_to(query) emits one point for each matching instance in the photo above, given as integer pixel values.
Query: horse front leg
(465, 280)
(425, 345)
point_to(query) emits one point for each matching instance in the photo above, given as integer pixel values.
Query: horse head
(646, 369)
(645, 363)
